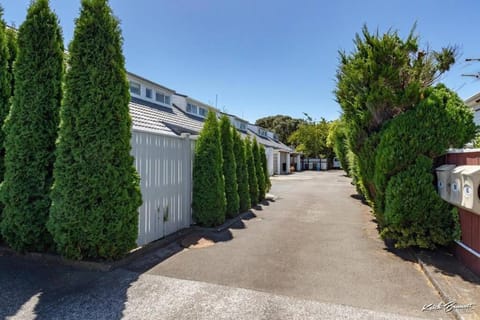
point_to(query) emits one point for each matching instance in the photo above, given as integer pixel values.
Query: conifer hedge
(242, 172)
(209, 202)
(5, 86)
(263, 156)
(229, 167)
(12, 55)
(96, 193)
(257, 158)
(252, 175)
(31, 130)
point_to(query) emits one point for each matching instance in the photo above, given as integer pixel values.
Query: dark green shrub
(209, 200)
(96, 194)
(31, 130)
(229, 167)
(439, 121)
(259, 170)
(252, 175)
(266, 174)
(414, 213)
(242, 172)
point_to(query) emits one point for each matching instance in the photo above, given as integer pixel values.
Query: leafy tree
(209, 201)
(229, 167)
(337, 140)
(96, 194)
(383, 77)
(252, 174)
(283, 126)
(311, 139)
(266, 174)
(242, 172)
(31, 130)
(259, 170)
(395, 124)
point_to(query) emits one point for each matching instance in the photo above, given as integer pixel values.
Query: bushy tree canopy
(96, 194)
(31, 130)
(283, 126)
(395, 124)
(311, 139)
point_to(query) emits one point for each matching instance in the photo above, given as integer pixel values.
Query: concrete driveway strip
(315, 242)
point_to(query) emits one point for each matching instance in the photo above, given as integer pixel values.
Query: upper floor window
(192, 108)
(242, 126)
(148, 93)
(162, 98)
(135, 88)
(262, 132)
(202, 112)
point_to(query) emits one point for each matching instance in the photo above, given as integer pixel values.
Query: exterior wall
(180, 102)
(269, 153)
(276, 162)
(467, 249)
(164, 164)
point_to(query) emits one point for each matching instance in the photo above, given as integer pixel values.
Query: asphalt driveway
(313, 253)
(315, 242)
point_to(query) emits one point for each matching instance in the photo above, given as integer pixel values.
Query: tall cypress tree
(229, 167)
(96, 193)
(242, 172)
(12, 55)
(209, 202)
(31, 130)
(5, 86)
(263, 157)
(259, 170)
(252, 175)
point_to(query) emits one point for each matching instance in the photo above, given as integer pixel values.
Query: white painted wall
(164, 164)
(269, 154)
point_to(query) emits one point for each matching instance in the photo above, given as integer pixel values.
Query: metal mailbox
(456, 193)
(470, 184)
(444, 180)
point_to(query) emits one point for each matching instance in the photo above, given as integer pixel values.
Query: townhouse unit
(165, 125)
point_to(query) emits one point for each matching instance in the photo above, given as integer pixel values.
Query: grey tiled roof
(173, 118)
(175, 121)
(267, 142)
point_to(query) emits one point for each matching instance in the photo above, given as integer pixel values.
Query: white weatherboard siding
(164, 164)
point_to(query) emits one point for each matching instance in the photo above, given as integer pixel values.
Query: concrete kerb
(101, 265)
(132, 255)
(436, 285)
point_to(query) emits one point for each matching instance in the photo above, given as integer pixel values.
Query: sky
(256, 58)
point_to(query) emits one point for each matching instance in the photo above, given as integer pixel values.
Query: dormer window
(148, 93)
(202, 112)
(262, 132)
(135, 88)
(243, 126)
(192, 108)
(162, 98)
